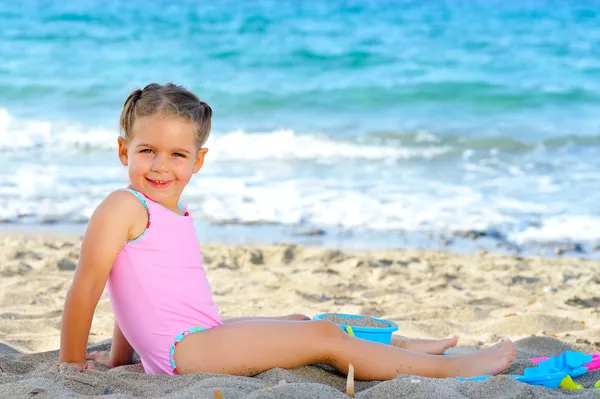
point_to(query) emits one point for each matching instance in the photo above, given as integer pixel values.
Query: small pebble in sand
(356, 322)
(66, 264)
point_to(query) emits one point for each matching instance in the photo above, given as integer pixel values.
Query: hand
(100, 357)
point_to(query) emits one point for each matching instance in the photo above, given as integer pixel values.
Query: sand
(365, 321)
(545, 305)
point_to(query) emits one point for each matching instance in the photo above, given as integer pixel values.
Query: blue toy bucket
(374, 334)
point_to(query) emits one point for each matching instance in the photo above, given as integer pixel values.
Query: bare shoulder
(110, 227)
(125, 209)
(122, 202)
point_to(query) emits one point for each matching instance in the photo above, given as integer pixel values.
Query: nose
(159, 163)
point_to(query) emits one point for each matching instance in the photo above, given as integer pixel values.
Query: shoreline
(457, 242)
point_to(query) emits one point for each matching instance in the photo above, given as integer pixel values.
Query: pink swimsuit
(158, 288)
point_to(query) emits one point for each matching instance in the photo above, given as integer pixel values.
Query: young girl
(141, 241)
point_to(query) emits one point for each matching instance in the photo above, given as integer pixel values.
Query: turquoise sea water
(358, 118)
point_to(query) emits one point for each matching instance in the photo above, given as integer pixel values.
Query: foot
(431, 346)
(488, 361)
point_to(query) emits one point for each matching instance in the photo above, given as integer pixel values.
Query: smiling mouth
(159, 183)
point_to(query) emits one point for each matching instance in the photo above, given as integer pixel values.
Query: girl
(141, 241)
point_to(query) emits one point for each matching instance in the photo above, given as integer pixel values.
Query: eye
(146, 151)
(178, 154)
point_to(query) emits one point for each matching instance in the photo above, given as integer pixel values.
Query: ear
(200, 159)
(123, 151)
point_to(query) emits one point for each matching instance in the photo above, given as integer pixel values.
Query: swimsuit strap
(139, 197)
(183, 206)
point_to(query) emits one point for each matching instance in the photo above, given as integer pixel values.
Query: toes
(509, 346)
(502, 343)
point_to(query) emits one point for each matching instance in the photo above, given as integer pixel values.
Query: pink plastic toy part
(536, 360)
(593, 365)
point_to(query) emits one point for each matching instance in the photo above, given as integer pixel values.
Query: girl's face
(161, 158)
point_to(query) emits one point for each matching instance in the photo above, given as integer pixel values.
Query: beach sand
(545, 305)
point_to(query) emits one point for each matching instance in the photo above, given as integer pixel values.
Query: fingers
(101, 357)
(94, 356)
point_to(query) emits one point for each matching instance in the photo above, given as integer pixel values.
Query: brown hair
(167, 100)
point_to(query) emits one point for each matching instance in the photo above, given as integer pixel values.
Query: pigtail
(128, 112)
(203, 121)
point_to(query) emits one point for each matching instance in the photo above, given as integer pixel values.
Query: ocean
(353, 124)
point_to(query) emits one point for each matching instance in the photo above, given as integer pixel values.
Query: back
(158, 287)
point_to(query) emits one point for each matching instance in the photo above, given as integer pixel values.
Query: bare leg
(248, 348)
(295, 316)
(431, 346)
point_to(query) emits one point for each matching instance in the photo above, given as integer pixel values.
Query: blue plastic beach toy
(569, 362)
(374, 334)
(535, 376)
(478, 378)
(550, 373)
(552, 380)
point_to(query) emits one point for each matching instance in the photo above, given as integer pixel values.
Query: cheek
(183, 170)
(138, 165)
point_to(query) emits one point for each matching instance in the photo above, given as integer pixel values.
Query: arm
(107, 232)
(121, 352)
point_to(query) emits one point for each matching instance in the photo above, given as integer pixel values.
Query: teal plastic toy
(551, 372)
(478, 378)
(552, 380)
(593, 365)
(572, 363)
(535, 376)
(381, 335)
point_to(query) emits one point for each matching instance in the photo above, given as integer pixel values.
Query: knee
(329, 329)
(331, 339)
(297, 316)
